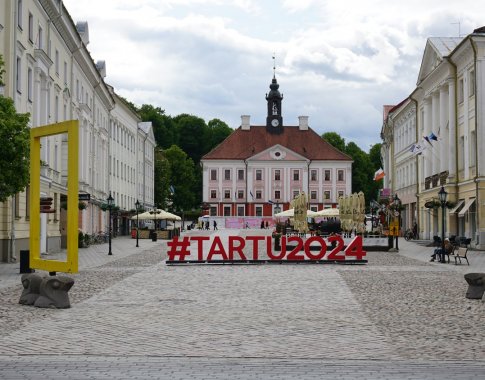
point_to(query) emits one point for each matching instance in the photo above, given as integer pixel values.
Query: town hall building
(258, 169)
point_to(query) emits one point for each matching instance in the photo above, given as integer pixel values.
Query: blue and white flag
(432, 136)
(417, 149)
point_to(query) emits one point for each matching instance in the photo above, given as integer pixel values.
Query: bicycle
(409, 234)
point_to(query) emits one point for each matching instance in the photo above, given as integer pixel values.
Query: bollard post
(25, 262)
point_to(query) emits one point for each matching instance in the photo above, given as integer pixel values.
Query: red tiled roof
(242, 144)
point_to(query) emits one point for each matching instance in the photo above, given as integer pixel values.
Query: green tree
(2, 70)
(334, 139)
(15, 152)
(360, 168)
(162, 180)
(163, 125)
(217, 132)
(363, 167)
(376, 163)
(182, 178)
(375, 156)
(192, 135)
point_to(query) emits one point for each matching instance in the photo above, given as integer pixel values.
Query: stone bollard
(46, 292)
(53, 292)
(476, 285)
(31, 283)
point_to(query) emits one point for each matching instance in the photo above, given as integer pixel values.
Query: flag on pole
(379, 174)
(251, 193)
(426, 138)
(417, 149)
(432, 136)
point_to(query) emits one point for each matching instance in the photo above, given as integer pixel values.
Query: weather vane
(274, 65)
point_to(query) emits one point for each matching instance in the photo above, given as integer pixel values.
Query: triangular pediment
(431, 60)
(277, 153)
(436, 49)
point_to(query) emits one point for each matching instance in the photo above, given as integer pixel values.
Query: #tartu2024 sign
(238, 249)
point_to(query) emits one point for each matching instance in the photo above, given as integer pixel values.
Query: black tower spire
(274, 119)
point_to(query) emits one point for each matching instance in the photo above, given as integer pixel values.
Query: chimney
(83, 30)
(101, 66)
(303, 123)
(245, 122)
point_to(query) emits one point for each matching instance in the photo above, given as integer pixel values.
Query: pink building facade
(259, 169)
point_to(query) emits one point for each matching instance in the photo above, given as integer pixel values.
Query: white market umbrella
(291, 212)
(327, 212)
(157, 215)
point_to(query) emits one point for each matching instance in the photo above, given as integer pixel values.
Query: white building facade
(51, 75)
(449, 99)
(400, 163)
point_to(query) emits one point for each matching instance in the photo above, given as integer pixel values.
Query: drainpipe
(455, 97)
(418, 218)
(477, 205)
(11, 257)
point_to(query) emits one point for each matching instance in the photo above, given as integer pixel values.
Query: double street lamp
(137, 205)
(110, 206)
(442, 195)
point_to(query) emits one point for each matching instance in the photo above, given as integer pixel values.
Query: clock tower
(274, 120)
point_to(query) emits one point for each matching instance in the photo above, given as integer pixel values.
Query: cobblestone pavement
(132, 316)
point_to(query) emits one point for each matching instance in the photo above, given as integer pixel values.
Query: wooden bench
(460, 253)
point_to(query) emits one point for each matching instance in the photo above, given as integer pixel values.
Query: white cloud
(337, 62)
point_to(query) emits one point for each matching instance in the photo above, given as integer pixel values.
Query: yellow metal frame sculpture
(71, 264)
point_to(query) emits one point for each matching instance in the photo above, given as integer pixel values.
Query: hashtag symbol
(179, 248)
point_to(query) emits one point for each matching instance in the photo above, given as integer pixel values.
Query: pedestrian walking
(215, 225)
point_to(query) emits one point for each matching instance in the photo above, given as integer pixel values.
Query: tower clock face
(275, 122)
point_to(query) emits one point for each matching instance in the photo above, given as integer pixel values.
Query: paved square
(393, 314)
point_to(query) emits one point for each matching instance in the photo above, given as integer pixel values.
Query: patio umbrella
(328, 212)
(291, 212)
(157, 214)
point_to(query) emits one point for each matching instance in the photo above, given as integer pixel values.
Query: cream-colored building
(449, 99)
(51, 75)
(399, 163)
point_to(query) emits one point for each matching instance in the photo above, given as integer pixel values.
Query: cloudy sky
(337, 61)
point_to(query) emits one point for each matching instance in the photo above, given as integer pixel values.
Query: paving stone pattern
(135, 317)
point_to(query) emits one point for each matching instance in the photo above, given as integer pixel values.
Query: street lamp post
(442, 195)
(110, 206)
(137, 205)
(397, 201)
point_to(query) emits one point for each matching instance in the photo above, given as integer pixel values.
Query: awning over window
(466, 207)
(458, 205)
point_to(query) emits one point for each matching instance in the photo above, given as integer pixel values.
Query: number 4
(355, 248)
